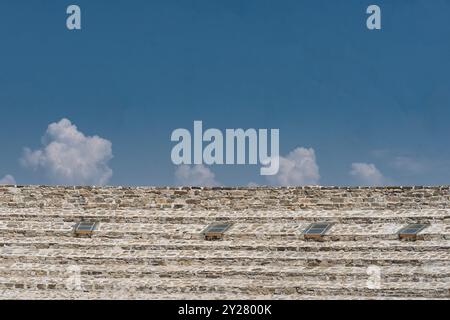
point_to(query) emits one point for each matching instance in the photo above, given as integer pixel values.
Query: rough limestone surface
(148, 244)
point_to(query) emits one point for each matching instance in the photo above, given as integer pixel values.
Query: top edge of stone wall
(415, 187)
(225, 198)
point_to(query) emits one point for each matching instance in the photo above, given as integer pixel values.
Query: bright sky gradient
(371, 107)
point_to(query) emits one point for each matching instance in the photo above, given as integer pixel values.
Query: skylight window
(411, 230)
(215, 231)
(316, 230)
(85, 228)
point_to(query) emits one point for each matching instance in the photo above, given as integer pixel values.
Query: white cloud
(196, 175)
(408, 165)
(8, 180)
(70, 157)
(367, 174)
(299, 167)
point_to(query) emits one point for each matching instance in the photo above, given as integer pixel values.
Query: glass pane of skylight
(316, 230)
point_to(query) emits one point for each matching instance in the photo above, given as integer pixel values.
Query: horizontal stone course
(229, 198)
(12, 293)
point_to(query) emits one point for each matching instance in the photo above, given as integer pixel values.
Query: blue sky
(140, 69)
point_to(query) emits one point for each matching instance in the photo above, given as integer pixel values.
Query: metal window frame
(85, 231)
(403, 235)
(308, 235)
(216, 235)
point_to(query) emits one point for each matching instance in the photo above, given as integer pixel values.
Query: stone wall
(192, 198)
(149, 243)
